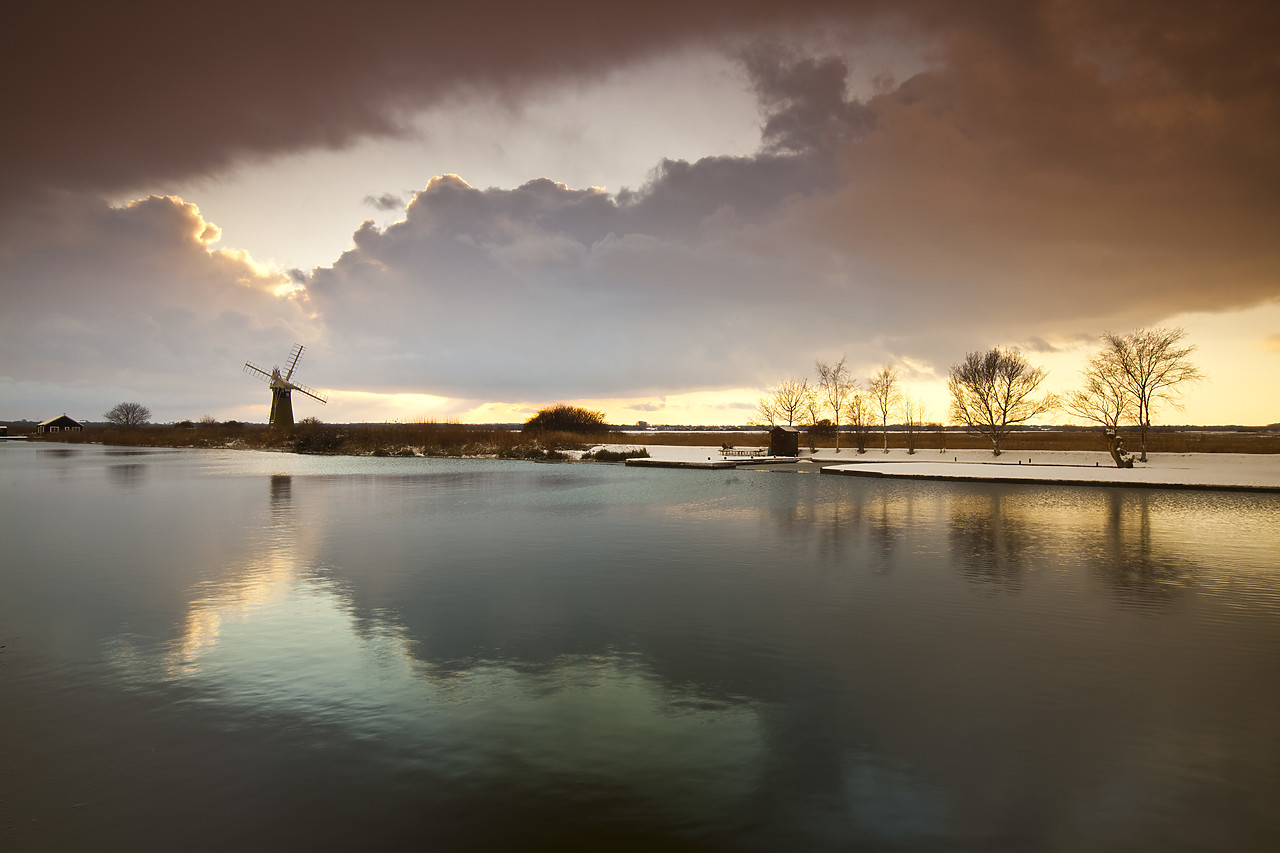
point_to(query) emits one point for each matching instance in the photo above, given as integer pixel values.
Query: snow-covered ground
(1172, 469)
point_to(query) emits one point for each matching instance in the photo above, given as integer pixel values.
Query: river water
(210, 650)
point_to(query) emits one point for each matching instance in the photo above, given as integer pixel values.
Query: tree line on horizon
(992, 393)
(995, 391)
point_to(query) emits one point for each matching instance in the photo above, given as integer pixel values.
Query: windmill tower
(281, 385)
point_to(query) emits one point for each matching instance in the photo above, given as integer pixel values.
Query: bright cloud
(138, 301)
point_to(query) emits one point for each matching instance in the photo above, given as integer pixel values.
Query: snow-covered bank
(1195, 470)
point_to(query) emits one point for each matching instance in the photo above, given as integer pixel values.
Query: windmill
(281, 385)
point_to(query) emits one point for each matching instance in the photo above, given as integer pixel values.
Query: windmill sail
(294, 355)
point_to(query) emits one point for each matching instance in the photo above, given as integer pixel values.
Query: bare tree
(883, 390)
(914, 415)
(785, 405)
(857, 411)
(765, 413)
(812, 413)
(1153, 363)
(835, 385)
(1106, 401)
(995, 390)
(128, 414)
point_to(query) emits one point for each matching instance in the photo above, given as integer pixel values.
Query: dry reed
(452, 439)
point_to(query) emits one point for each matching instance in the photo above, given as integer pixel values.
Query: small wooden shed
(784, 441)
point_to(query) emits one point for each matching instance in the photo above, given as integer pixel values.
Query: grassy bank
(421, 439)
(432, 439)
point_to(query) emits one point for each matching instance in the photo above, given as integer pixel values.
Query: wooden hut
(784, 441)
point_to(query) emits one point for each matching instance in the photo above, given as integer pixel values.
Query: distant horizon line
(652, 427)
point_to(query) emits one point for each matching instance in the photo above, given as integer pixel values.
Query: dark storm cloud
(804, 100)
(385, 201)
(1073, 167)
(1006, 194)
(1054, 170)
(106, 96)
(100, 97)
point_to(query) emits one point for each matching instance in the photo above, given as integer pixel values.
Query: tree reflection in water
(1140, 570)
(127, 474)
(989, 537)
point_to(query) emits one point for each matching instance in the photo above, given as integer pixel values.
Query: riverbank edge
(691, 457)
(873, 473)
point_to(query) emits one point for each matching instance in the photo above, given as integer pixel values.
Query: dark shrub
(319, 440)
(823, 429)
(563, 418)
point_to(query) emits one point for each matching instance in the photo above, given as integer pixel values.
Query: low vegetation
(606, 455)
(458, 440)
(563, 418)
(414, 439)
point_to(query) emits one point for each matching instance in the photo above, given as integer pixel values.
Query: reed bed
(411, 439)
(453, 439)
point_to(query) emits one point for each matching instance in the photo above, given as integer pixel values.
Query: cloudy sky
(469, 211)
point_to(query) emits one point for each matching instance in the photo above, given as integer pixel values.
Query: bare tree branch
(128, 414)
(995, 390)
(1153, 363)
(914, 415)
(835, 385)
(1104, 400)
(786, 405)
(883, 391)
(857, 408)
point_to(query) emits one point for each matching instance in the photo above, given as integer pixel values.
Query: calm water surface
(203, 649)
